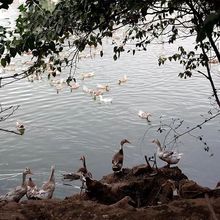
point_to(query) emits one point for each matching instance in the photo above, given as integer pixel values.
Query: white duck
(171, 157)
(74, 85)
(47, 189)
(16, 194)
(105, 100)
(123, 80)
(144, 115)
(87, 90)
(87, 75)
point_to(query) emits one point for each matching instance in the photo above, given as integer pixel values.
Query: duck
(171, 157)
(87, 90)
(74, 85)
(84, 173)
(16, 194)
(55, 82)
(81, 174)
(103, 87)
(218, 185)
(32, 189)
(105, 100)
(123, 80)
(78, 174)
(144, 115)
(47, 189)
(87, 75)
(97, 92)
(20, 127)
(83, 170)
(117, 159)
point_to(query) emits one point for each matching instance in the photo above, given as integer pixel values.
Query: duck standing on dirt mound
(171, 157)
(117, 160)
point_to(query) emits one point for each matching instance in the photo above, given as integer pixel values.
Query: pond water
(62, 127)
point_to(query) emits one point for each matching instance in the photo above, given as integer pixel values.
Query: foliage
(75, 24)
(5, 3)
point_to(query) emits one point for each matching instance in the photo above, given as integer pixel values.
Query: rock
(126, 203)
(189, 189)
(141, 169)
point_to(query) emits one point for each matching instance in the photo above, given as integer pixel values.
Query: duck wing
(15, 195)
(117, 158)
(117, 162)
(46, 191)
(167, 154)
(50, 185)
(32, 192)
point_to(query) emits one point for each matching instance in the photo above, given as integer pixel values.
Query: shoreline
(141, 192)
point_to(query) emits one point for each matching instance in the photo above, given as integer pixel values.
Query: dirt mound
(137, 193)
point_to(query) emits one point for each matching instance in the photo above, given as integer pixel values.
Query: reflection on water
(62, 127)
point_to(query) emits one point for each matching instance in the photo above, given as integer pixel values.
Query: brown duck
(82, 171)
(117, 160)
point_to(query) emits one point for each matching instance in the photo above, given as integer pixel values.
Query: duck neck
(84, 162)
(51, 175)
(159, 148)
(23, 179)
(121, 149)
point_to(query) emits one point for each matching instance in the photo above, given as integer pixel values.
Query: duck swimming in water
(123, 80)
(20, 127)
(16, 194)
(103, 87)
(87, 75)
(105, 100)
(144, 115)
(171, 157)
(117, 160)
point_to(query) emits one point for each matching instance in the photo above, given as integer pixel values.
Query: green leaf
(3, 62)
(13, 51)
(2, 49)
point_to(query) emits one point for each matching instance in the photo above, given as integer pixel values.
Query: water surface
(62, 127)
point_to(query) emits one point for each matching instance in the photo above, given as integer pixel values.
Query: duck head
(27, 171)
(157, 142)
(82, 158)
(124, 141)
